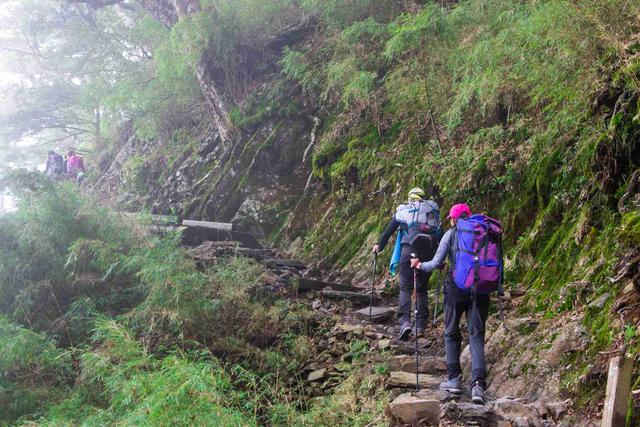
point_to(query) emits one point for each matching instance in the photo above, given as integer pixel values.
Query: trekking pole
(435, 310)
(373, 281)
(415, 291)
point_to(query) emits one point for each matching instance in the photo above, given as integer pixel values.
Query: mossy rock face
(630, 229)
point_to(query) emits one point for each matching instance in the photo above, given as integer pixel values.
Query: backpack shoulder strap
(453, 245)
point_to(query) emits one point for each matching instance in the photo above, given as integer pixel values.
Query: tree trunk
(168, 12)
(96, 131)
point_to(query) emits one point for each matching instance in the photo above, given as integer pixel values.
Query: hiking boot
(420, 331)
(454, 385)
(405, 331)
(477, 394)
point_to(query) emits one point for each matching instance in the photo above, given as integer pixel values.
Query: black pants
(476, 320)
(406, 290)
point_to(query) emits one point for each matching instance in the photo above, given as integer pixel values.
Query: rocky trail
(523, 388)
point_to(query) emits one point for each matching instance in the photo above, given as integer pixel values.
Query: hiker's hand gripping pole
(415, 325)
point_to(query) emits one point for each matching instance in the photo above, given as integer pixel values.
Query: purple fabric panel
(489, 264)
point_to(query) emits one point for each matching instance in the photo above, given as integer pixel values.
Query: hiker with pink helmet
(474, 247)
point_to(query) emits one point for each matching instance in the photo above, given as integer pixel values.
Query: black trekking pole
(373, 281)
(435, 310)
(501, 288)
(415, 325)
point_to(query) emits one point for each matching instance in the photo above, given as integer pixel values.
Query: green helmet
(416, 193)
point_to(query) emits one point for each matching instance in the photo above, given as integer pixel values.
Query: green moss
(629, 231)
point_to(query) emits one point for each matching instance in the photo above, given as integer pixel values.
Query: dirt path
(352, 339)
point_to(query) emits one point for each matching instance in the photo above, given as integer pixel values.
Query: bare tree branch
(96, 4)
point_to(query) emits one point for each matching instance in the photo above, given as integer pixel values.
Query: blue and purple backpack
(477, 255)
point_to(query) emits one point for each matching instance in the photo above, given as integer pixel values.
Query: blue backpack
(477, 255)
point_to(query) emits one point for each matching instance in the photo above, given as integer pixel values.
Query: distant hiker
(75, 167)
(55, 168)
(419, 224)
(473, 245)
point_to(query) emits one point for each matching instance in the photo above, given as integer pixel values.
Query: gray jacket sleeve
(441, 253)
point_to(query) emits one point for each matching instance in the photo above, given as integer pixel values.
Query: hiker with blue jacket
(418, 226)
(473, 246)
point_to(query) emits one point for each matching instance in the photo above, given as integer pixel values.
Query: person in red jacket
(75, 166)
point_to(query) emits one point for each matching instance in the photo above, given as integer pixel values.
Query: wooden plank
(208, 224)
(173, 219)
(618, 391)
(302, 284)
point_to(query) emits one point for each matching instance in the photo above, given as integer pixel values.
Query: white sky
(8, 78)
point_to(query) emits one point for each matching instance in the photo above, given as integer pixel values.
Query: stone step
(428, 407)
(409, 408)
(426, 364)
(378, 314)
(469, 414)
(408, 380)
(516, 411)
(317, 375)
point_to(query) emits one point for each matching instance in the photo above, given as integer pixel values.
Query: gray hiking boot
(477, 394)
(419, 332)
(454, 385)
(405, 331)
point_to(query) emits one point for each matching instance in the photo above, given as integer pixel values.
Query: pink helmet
(459, 209)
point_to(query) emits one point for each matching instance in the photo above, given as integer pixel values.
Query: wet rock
(403, 347)
(569, 421)
(469, 414)
(408, 380)
(600, 302)
(378, 314)
(268, 278)
(557, 410)
(524, 422)
(384, 344)
(310, 367)
(322, 345)
(376, 358)
(516, 412)
(517, 292)
(332, 382)
(373, 335)
(317, 375)
(411, 408)
(629, 288)
(297, 247)
(573, 337)
(427, 365)
(347, 331)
